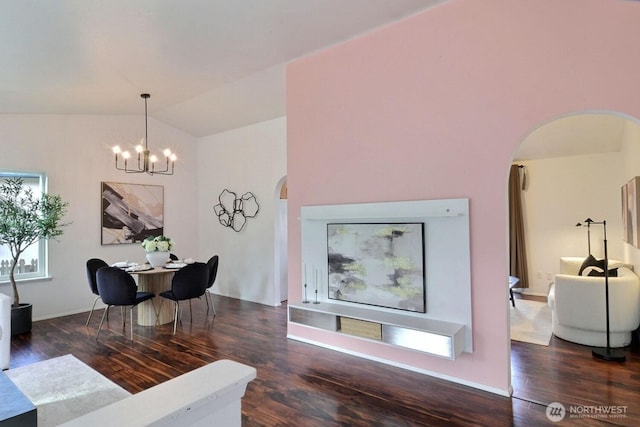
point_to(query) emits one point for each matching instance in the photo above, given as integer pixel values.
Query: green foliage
(25, 219)
(157, 243)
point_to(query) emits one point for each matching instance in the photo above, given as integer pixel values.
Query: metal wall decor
(233, 212)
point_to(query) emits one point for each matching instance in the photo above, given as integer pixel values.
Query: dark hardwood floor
(303, 385)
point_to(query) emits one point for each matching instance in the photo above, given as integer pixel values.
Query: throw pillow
(590, 261)
(595, 267)
(596, 272)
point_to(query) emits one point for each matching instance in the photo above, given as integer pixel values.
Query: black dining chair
(92, 267)
(189, 282)
(117, 287)
(173, 257)
(212, 266)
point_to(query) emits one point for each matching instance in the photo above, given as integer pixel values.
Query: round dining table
(156, 280)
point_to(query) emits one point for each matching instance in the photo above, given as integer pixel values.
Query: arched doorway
(575, 168)
(281, 265)
(576, 165)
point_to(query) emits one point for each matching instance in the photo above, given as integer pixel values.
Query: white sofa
(207, 396)
(579, 309)
(5, 330)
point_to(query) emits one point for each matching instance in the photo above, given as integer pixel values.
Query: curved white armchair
(579, 309)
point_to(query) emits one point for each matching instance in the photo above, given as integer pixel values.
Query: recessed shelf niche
(445, 329)
(442, 339)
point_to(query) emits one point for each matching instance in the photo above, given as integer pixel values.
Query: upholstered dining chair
(212, 266)
(92, 267)
(117, 287)
(189, 282)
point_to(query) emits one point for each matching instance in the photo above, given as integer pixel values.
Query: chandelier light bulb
(126, 155)
(153, 158)
(116, 149)
(167, 152)
(173, 157)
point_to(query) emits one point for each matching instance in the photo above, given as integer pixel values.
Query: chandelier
(146, 160)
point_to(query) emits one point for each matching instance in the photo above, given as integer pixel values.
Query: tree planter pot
(21, 319)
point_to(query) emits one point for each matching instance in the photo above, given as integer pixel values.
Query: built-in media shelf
(431, 336)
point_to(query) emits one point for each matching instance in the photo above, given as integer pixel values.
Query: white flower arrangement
(157, 244)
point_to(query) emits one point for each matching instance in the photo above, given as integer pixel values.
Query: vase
(158, 258)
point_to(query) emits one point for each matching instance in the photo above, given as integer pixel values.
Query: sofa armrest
(579, 301)
(570, 264)
(209, 395)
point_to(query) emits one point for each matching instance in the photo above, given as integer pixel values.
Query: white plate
(175, 265)
(143, 267)
(122, 264)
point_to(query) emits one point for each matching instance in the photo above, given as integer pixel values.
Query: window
(33, 261)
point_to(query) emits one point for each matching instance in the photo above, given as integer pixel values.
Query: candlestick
(305, 300)
(316, 301)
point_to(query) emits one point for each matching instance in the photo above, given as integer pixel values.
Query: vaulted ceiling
(209, 65)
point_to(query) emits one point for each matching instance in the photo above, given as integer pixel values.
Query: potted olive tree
(26, 218)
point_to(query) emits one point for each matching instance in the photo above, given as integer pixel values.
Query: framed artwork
(131, 212)
(380, 264)
(630, 211)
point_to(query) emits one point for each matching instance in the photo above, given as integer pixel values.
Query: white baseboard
(533, 293)
(505, 393)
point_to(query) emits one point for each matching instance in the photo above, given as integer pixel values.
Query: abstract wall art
(630, 211)
(131, 212)
(380, 264)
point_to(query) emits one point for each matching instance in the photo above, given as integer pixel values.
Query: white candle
(305, 273)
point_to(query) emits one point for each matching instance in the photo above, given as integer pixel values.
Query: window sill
(30, 279)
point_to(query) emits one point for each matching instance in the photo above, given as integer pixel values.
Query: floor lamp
(607, 353)
(587, 221)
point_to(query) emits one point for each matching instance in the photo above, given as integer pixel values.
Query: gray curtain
(517, 247)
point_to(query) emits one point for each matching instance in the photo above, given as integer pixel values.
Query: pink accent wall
(434, 107)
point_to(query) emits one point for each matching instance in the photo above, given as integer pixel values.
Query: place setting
(132, 267)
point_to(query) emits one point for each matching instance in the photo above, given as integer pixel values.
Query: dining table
(156, 280)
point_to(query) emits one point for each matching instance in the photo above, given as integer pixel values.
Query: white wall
(282, 260)
(250, 159)
(631, 154)
(75, 153)
(562, 192)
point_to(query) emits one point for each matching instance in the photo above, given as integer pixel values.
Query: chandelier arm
(144, 155)
(166, 171)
